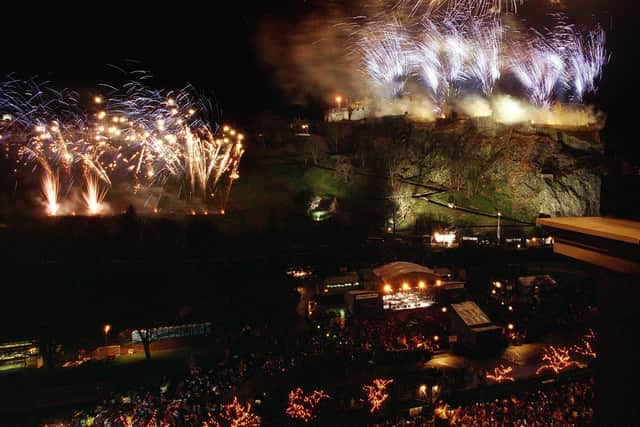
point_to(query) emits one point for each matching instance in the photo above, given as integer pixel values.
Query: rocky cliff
(519, 170)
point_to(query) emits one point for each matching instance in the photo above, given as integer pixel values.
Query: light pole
(106, 330)
(339, 101)
(498, 229)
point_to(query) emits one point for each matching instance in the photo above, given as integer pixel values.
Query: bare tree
(146, 337)
(313, 149)
(344, 169)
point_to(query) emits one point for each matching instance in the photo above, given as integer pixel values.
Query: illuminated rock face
(519, 170)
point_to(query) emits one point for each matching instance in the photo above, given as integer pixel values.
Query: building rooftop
(471, 314)
(389, 272)
(610, 243)
(609, 228)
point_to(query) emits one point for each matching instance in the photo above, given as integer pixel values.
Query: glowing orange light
(302, 406)
(422, 284)
(239, 415)
(106, 329)
(377, 393)
(388, 289)
(500, 374)
(556, 360)
(405, 286)
(585, 347)
(438, 283)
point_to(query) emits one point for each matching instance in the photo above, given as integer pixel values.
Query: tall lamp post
(106, 330)
(498, 229)
(339, 101)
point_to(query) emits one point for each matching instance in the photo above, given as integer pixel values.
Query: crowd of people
(417, 331)
(560, 405)
(569, 404)
(198, 397)
(195, 400)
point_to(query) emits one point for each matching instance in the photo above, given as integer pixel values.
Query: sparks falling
(94, 195)
(134, 137)
(50, 192)
(455, 48)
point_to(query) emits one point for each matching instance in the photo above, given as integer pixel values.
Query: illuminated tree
(301, 406)
(556, 360)
(585, 348)
(344, 169)
(377, 393)
(500, 374)
(239, 415)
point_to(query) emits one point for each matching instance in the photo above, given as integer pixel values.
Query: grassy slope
(279, 184)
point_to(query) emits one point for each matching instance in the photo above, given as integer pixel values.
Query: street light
(423, 390)
(339, 101)
(106, 330)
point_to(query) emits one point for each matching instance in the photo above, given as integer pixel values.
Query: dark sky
(214, 47)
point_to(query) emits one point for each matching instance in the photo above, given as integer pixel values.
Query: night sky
(215, 48)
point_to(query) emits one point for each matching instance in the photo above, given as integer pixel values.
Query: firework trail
(585, 59)
(135, 136)
(539, 69)
(485, 63)
(386, 58)
(458, 47)
(483, 7)
(94, 194)
(50, 189)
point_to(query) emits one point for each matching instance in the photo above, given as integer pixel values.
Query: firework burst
(458, 48)
(386, 58)
(135, 137)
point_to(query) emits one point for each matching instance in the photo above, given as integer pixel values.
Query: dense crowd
(193, 401)
(565, 405)
(417, 331)
(199, 397)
